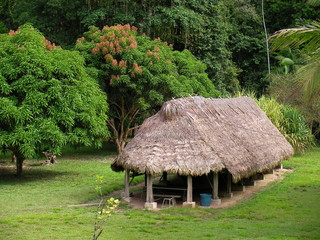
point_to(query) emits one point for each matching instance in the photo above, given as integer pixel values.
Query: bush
(296, 129)
(290, 122)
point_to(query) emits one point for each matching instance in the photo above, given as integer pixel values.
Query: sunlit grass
(35, 206)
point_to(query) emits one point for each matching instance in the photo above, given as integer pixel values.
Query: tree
(281, 14)
(308, 37)
(139, 74)
(6, 13)
(47, 99)
(247, 43)
(307, 76)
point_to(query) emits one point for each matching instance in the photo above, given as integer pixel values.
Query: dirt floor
(138, 197)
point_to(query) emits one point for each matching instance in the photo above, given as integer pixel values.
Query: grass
(35, 207)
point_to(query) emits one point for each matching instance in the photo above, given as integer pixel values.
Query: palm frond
(307, 37)
(309, 77)
(314, 3)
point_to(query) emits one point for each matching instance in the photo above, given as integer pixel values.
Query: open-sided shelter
(195, 136)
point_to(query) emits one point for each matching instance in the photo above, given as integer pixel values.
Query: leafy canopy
(148, 71)
(47, 99)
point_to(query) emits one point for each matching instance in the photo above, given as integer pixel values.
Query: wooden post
(216, 200)
(149, 189)
(126, 183)
(189, 191)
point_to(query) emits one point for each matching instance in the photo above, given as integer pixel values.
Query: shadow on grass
(107, 149)
(8, 174)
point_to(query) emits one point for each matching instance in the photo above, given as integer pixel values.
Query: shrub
(296, 130)
(289, 121)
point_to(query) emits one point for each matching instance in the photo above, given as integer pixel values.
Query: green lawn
(35, 206)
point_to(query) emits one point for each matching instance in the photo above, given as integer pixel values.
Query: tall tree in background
(281, 14)
(6, 14)
(47, 100)
(247, 44)
(307, 78)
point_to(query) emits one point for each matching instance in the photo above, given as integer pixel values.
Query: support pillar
(189, 202)
(229, 182)
(126, 193)
(150, 204)
(216, 200)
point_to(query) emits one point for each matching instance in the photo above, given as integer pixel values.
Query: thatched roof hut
(196, 135)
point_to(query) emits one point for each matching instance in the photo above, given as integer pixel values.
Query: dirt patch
(138, 196)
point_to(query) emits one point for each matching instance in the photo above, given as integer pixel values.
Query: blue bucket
(205, 199)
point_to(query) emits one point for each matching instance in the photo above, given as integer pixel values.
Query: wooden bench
(167, 197)
(169, 191)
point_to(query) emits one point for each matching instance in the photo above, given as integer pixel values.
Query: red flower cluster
(12, 32)
(80, 40)
(49, 46)
(114, 40)
(123, 64)
(136, 69)
(95, 50)
(114, 62)
(154, 55)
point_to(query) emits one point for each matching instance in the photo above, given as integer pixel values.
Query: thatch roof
(196, 135)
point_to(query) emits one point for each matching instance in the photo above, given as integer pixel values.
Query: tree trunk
(13, 158)
(19, 163)
(121, 128)
(120, 145)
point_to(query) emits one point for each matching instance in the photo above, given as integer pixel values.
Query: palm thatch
(196, 135)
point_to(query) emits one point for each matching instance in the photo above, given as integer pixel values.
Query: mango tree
(47, 99)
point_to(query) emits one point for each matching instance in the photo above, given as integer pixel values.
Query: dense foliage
(47, 99)
(227, 35)
(290, 122)
(139, 74)
(302, 87)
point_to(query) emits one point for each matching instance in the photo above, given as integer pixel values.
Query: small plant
(105, 209)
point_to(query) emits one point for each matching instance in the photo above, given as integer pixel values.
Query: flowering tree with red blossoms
(139, 74)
